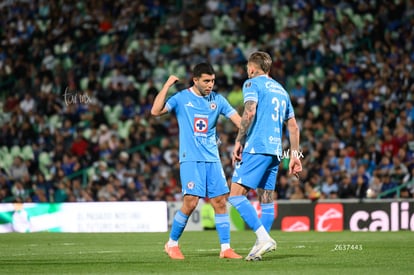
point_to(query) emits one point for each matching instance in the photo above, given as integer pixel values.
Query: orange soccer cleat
(174, 252)
(229, 254)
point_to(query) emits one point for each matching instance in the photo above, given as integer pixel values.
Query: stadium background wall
(332, 215)
(323, 216)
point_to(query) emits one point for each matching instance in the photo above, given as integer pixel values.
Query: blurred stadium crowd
(77, 80)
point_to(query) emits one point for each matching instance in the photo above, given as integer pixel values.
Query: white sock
(172, 243)
(262, 234)
(225, 246)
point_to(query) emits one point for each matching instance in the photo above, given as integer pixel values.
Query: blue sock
(246, 211)
(268, 215)
(178, 225)
(223, 227)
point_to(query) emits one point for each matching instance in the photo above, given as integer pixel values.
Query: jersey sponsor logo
(200, 124)
(329, 217)
(295, 223)
(274, 88)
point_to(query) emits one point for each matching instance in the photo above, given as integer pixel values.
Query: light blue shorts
(203, 179)
(257, 170)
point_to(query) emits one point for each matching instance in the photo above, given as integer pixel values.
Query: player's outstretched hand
(295, 166)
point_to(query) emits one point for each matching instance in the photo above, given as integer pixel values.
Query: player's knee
(189, 204)
(219, 204)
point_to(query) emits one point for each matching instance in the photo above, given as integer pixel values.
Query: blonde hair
(262, 60)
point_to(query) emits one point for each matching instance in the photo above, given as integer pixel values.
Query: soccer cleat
(174, 252)
(229, 254)
(261, 248)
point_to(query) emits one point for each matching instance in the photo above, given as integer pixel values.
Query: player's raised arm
(158, 108)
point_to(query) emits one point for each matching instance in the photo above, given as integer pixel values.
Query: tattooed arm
(246, 120)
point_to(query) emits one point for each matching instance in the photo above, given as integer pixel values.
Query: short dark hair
(203, 68)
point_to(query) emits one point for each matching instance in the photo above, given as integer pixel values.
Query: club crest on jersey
(200, 124)
(213, 106)
(190, 185)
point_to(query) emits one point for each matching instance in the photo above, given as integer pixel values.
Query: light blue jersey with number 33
(273, 109)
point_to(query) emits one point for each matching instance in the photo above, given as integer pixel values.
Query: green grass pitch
(142, 253)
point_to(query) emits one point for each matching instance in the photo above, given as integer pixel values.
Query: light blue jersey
(273, 106)
(197, 117)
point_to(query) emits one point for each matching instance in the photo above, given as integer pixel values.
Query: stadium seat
(107, 111)
(104, 40)
(90, 172)
(143, 89)
(57, 49)
(319, 73)
(181, 71)
(318, 15)
(314, 33)
(105, 82)
(67, 63)
(4, 150)
(15, 151)
(310, 77)
(358, 21)
(302, 79)
(216, 67)
(113, 114)
(123, 128)
(84, 83)
(133, 46)
(290, 83)
(27, 152)
(131, 78)
(172, 65)
(7, 161)
(228, 71)
(53, 122)
(348, 11)
(44, 162)
(87, 133)
(369, 17)
(44, 159)
(117, 109)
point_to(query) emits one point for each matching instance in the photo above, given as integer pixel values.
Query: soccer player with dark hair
(197, 109)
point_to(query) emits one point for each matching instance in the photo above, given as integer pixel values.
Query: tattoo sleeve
(246, 120)
(265, 196)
